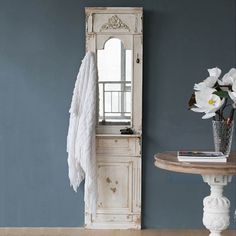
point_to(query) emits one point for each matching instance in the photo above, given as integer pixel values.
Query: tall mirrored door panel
(114, 80)
(116, 36)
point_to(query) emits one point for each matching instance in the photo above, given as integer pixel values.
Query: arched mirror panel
(115, 83)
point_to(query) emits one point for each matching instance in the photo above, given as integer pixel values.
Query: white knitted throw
(81, 133)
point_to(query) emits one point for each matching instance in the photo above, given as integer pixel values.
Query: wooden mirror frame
(125, 24)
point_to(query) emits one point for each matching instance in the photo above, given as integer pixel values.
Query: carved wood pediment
(114, 23)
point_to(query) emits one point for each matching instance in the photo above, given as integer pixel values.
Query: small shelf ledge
(119, 135)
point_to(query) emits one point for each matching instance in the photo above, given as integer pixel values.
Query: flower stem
(230, 118)
(222, 109)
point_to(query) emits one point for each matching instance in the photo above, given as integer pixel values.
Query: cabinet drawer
(127, 146)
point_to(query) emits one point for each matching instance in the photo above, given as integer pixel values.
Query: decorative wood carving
(114, 23)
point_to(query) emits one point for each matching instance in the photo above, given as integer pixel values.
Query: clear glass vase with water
(223, 135)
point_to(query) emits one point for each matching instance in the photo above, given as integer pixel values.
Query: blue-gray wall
(41, 47)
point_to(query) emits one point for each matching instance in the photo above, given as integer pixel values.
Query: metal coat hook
(137, 60)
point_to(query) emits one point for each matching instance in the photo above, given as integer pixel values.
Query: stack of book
(197, 156)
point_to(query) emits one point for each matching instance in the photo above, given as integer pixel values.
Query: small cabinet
(115, 35)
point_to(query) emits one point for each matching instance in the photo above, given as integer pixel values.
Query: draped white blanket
(81, 133)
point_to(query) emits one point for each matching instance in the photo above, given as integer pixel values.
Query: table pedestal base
(216, 206)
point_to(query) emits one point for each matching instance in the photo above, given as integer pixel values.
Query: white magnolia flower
(210, 81)
(233, 97)
(207, 102)
(229, 78)
(214, 72)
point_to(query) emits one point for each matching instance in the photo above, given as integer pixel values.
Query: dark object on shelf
(127, 131)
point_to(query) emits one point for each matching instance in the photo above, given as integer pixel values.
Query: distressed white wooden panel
(91, 42)
(105, 221)
(118, 146)
(137, 183)
(114, 189)
(113, 218)
(137, 82)
(118, 156)
(114, 20)
(115, 23)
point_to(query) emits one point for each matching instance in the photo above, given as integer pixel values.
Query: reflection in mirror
(115, 77)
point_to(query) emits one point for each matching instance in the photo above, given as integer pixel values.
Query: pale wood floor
(82, 232)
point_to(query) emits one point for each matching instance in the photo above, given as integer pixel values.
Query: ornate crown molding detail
(114, 23)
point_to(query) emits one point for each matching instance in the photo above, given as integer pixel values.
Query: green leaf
(221, 94)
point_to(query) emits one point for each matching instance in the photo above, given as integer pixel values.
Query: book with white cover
(201, 156)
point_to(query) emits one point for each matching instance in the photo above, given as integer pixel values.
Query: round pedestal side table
(217, 175)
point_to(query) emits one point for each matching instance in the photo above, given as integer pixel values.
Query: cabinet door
(115, 184)
(119, 193)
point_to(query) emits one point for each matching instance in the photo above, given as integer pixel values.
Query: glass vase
(223, 135)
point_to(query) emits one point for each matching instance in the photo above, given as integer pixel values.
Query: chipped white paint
(119, 184)
(118, 156)
(216, 206)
